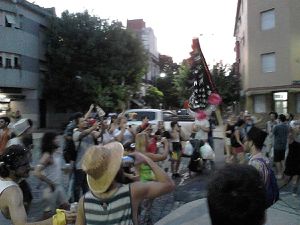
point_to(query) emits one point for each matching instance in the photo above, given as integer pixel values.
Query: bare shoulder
(12, 195)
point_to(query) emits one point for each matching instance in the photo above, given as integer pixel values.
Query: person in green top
(145, 172)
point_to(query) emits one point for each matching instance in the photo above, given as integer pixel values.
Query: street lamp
(162, 75)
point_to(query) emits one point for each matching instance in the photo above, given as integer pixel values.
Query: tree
(166, 84)
(228, 86)
(183, 82)
(153, 97)
(91, 60)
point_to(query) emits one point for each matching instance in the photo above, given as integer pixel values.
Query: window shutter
(268, 63)
(268, 19)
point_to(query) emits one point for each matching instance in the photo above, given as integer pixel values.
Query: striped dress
(114, 210)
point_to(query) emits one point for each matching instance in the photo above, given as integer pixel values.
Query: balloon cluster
(213, 101)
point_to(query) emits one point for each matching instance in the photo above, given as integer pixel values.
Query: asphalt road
(187, 189)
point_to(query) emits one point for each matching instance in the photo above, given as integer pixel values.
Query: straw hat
(101, 164)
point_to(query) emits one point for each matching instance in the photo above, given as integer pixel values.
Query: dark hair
(30, 122)
(173, 123)
(236, 195)
(11, 159)
(291, 116)
(75, 116)
(6, 119)
(166, 134)
(257, 136)
(282, 117)
(240, 123)
(144, 117)
(274, 113)
(48, 144)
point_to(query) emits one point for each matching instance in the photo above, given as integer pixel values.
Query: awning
(11, 19)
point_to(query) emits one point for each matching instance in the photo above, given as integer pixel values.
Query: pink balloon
(201, 115)
(214, 99)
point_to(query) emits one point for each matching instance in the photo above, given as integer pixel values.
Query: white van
(156, 115)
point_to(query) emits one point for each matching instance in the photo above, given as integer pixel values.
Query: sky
(175, 22)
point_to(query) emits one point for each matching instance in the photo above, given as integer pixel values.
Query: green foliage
(153, 97)
(228, 86)
(91, 60)
(183, 83)
(166, 84)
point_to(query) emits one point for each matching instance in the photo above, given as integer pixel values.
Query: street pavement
(188, 189)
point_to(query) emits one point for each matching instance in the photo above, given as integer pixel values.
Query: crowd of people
(116, 170)
(92, 143)
(275, 145)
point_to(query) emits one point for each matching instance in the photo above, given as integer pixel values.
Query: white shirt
(127, 136)
(201, 134)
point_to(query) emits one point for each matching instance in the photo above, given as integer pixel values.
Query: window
(280, 102)
(16, 62)
(10, 20)
(259, 104)
(7, 24)
(140, 114)
(168, 116)
(8, 63)
(1, 62)
(267, 19)
(268, 62)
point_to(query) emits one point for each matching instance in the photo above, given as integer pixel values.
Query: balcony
(10, 77)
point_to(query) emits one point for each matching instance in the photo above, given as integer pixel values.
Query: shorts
(175, 156)
(175, 153)
(227, 141)
(237, 150)
(279, 155)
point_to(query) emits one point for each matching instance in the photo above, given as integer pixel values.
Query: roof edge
(237, 16)
(38, 9)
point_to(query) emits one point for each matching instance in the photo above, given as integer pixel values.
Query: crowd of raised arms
(115, 170)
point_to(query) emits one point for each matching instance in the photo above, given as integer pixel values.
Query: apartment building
(267, 48)
(22, 57)
(146, 34)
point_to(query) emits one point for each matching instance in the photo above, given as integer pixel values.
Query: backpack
(272, 189)
(196, 162)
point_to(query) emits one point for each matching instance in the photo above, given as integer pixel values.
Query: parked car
(183, 115)
(156, 115)
(170, 116)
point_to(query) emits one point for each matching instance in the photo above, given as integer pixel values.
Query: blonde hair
(141, 142)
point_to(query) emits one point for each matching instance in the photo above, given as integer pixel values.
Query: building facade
(268, 54)
(22, 57)
(146, 34)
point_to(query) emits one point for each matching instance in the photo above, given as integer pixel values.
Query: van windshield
(140, 115)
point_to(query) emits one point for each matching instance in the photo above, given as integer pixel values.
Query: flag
(203, 85)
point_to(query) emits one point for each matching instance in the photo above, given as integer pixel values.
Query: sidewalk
(285, 212)
(218, 132)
